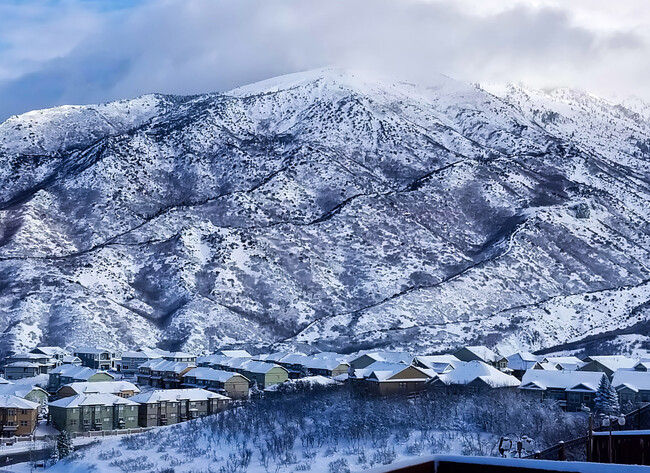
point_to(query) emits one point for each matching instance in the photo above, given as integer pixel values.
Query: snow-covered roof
(473, 370)
(259, 366)
(543, 379)
(548, 366)
(4, 381)
(614, 362)
(377, 366)
(322, 363)
(635, 380)
(642, 365)
(211, 374)
(71, 359)
(144, 354)
(103, 387)
(15, 402)
(22, 364)
(76, 372)
(563, 359)
(295, 359)
(234, 353)
(179, 354)
(176, 395)
(388, 356)
(167, 365)
(483, 352)
(523, 355)
(384, 375)
(20, 390)
(51, 351)
(104, 399)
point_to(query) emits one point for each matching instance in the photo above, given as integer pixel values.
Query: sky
(55, 52)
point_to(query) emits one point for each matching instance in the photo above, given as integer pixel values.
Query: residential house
(571, 389)
(163, 374)
(407, 379)
(473, 376)
(519, 363)
(31, 392)
(118, 388)
(44, 362)
(57, 353)
(180, 357)
(361, 374)
(478, 353)
(294, 364)
(608, 364)
(632, 386)
(642, 366)
(264, 374)
(97, 358)
(365, 359)
(66, 374)
(18, 416)
(568, 363)
(71, 360)
(93, 412)
(233, 385)
(330, 367)
(131, 361)
(21, 369)
(438, 363)
(171, 406)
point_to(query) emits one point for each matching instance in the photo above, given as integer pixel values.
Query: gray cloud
(193, 46)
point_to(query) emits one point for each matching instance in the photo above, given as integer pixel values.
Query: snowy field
(330, 429)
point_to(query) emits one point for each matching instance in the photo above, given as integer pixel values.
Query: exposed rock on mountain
(326, 208)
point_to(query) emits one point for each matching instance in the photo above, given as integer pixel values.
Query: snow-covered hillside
(327, 208)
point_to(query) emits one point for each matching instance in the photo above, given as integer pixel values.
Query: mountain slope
(327, 208)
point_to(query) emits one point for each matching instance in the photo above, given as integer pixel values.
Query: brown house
(407, 380)
(18, 416)
(233, 385)
(163, 374)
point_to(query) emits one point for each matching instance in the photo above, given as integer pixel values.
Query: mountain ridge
(294, 213)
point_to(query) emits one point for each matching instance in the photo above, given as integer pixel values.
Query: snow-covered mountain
(327, 208)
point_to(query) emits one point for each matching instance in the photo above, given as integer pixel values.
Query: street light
(607, 422)
(584, 408)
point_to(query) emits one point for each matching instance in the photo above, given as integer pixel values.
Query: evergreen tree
(64, 445)
(606, 400)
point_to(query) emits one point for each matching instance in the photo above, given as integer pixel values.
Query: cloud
(57, 51)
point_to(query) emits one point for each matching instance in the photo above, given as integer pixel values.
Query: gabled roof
(4, 381)
(295, 359)
(323, 363)
(563, 359)
(634, 380)
(259, 367)
(234, 353)
(386, 356)
(548, 366)
(168, 365)
(179, 354)
(102, 387)
(473, 370)
(482, 352)
(20, 390)
(568, 380)
(76, 372)
(145, 354)
(377, 366)
(523, 355)
(210, 374)
(643, 364)
(50, 351)
(387, 375)
(15, 402)
(92, 400)
(176, 395)
(614, 362)
(22, 364)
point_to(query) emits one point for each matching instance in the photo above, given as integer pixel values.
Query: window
(587, 397)
(130, 418)
(73, 421)
(10, 423)
(403, 385)
(106, 419)
(11, 412)
(172, 415)
(23, 423)
(23, 412)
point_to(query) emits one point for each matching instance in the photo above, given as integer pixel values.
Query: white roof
(570, 380)
(15, 402)
(635, 380)
(377, 366)
(104, 399)
(20, 390)
(483, 352)
(323, 363)
(111, 387)
(259, 366)
(92, 350)
(615, 362)
(564, 359)
(51, 351)
(179, 354)
(210, 374)
(4, 381)
(76, 372)
(176, 395)
(167, 365)
(234, 353)
(473, 370)
(22, 364)
(143, 354)
(548, 366)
